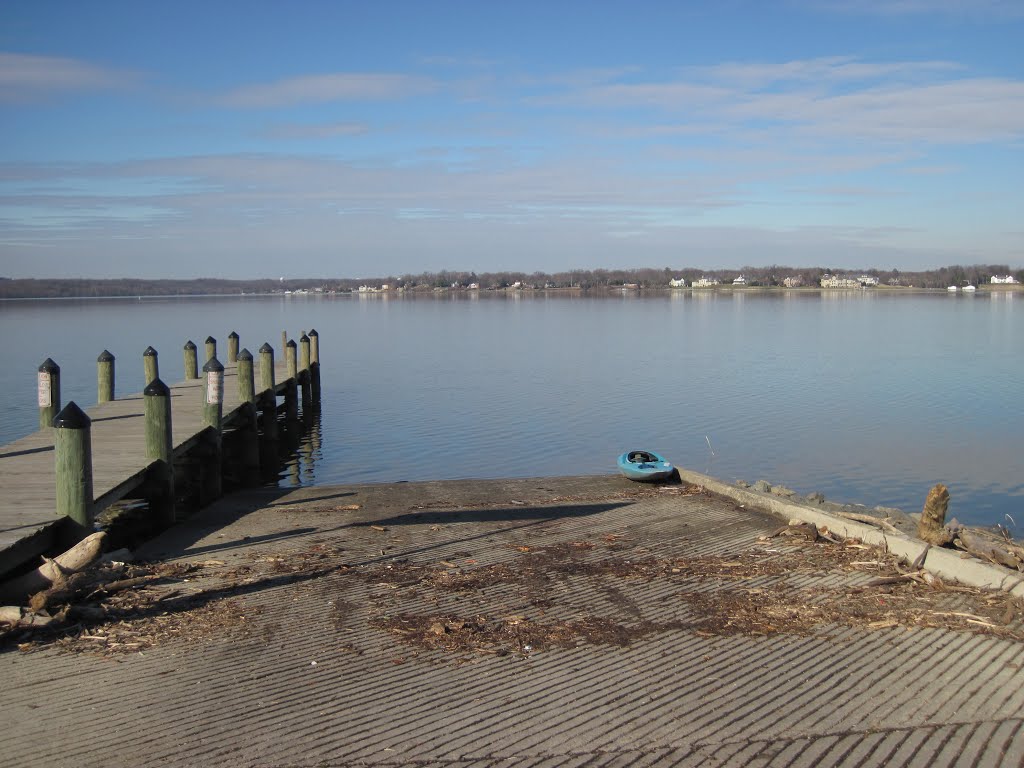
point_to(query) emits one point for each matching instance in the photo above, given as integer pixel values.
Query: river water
(868, 397)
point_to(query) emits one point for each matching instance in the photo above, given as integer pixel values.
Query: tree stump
(932, 526)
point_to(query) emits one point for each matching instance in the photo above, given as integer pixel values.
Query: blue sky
(351, 139)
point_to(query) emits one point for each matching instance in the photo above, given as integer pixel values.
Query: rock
(763, 486)
(931, 526)
(815, 498)
(742, 484)
(10, 614)
(781, 490)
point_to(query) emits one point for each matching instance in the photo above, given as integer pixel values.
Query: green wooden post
(104, 377)
(268, 399)
(304, 378)
(211, 348)
(246, 382)
(157, 396)
(48, 392)
(284, 342)
(72, 438)
(191, 361)
(291, 395)
(213, 410)
(232, 347)
(314, 365)
(150, 365)
(249, 434)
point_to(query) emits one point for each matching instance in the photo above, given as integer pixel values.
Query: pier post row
(159, 445)
(48, 392)
(150, 365)
(72, 445)
(104, 377)
(191, 361)
(232, 347)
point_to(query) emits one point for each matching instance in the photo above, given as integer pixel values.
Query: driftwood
(932, 525)
(882, 523)
(53, 571)
(1001, 552)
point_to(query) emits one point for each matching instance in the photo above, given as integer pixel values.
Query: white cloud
(25, 77)
(318, 89)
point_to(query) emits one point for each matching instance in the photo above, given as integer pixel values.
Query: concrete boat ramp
(547, 622)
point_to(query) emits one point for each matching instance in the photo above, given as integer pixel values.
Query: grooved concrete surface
(251, 694)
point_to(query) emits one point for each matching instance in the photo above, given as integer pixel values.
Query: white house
(867, 280)
(835, 281)
(741, 280)
(1007, 279)
(677, 283)
(705, 282)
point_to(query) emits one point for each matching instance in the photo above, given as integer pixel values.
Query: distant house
(678, 282)
(835, 281)
(1005, 279)
(867, 280)
(793, 282)
(741, 280)
(705, 282)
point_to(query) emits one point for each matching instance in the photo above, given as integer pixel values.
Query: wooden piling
(213, 408)
(304, 378)
(191, 361)
(104, 377)
(72, 438)
(246, 381)
(211, 349)
(314, 365)
(150, 365)
(284, 342)
(268, 401)
(291, 395)
(232, 347)
(48, 392)
(160, 481)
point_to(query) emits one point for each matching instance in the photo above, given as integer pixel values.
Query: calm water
(867, 397)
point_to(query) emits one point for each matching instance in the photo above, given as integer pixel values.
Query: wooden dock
(30, 524)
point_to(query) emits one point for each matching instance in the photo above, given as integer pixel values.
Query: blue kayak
(645, 466)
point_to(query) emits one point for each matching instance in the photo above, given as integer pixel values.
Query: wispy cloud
(319, 89)
(288, 131)
(26, 77)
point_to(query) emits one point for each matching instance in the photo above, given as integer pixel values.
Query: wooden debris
(52, 571)
(860, 517)
(932, 525)
(1000, 552)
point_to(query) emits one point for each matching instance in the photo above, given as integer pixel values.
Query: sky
(357, 139)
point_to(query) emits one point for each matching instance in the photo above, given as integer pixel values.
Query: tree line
(583, 279)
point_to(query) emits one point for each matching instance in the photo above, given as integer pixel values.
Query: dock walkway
(547, 622)
(27, 466)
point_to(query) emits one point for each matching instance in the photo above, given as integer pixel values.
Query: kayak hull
(645, 466)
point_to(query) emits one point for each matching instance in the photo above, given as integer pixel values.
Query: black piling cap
(304, 339)
(48, 366)
(157, 388)
(105, 357)
(312, 332)
(266, 348)
(232, 335)
(71, 417)
(210, 340)
(291, 343)
(190, 345)
(245, 355)
(150, 352)
(213, 364)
